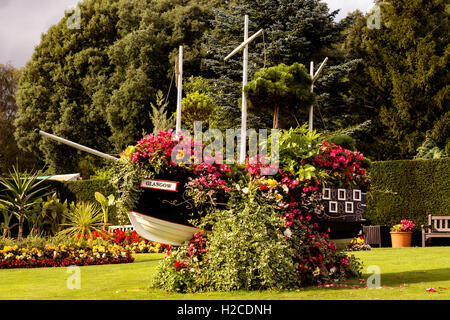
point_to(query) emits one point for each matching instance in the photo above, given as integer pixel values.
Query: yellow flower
(272, 183)
(180, 154)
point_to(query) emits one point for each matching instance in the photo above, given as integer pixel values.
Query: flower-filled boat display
(165, 183)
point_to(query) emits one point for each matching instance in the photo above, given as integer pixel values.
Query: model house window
(326, 194)
(341, 194)
(348, 207)
(333, 207)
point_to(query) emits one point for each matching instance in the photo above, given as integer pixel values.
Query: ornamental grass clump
(82, 219)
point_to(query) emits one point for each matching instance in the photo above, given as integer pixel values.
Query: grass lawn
(406, 273)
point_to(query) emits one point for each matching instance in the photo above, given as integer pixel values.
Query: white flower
(285, 188)
(287, 233)
(332, 270)
(245, 190)
(316, 272)
(238, 187)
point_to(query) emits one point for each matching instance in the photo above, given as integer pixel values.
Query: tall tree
(10, 153)
(95, 85)
(294, 31)
(404, 78)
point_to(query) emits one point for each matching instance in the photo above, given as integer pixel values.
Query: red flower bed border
(46, 263)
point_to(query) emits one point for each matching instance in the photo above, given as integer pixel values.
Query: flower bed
(130, 240)
(358, 244)
(62, 255)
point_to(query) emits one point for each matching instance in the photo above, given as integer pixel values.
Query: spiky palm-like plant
(21, 191)
(82, 219)
(6, 226)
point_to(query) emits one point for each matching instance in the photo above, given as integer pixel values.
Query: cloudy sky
(23, 21)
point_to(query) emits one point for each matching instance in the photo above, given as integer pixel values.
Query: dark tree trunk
(275, 117)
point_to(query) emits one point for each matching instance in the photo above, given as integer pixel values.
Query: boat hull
(161, 231)
(164, 211)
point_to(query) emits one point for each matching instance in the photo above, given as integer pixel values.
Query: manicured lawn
(405, 274)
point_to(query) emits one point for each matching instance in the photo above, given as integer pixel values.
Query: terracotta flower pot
(401, 239)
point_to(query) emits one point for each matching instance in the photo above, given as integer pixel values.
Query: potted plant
(401, 234)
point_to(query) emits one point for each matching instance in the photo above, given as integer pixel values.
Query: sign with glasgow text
(160, 185)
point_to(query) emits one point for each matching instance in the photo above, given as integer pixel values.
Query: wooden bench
(438, 227)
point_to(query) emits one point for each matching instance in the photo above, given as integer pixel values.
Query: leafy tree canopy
(282, 86)
(10, 153)
(404, 78)
(95, 85)
(294, 31)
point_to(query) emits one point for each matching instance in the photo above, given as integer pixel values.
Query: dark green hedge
(408, 189)
(83, 190)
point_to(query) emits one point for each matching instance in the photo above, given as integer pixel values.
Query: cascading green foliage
(282, 89)
(248, 249)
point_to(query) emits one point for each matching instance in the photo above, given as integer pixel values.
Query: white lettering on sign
(159, 185)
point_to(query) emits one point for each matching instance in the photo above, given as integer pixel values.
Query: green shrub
(408, 189)
(84, 191)
(248, 249)
(343, 140)
(82, 219)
